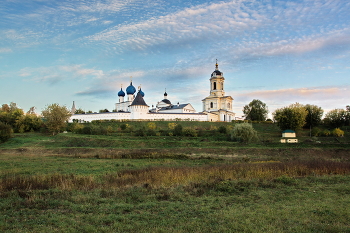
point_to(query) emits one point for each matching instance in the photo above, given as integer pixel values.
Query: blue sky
(281, 52)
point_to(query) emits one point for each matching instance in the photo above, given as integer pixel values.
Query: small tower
(121, 95)
(72, 111)
(217, 82)
(139, 108)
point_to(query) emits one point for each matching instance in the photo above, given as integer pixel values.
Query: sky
(277, 51)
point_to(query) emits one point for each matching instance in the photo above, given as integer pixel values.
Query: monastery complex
(132, 106)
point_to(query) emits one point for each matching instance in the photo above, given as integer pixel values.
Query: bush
(177, 130)
(123, 126)
(326, 132)
(86, 130)
(151, 126)
(140, 132)
(151, 132)
(172, 126)
(5, 132)
(244, 133)
(316, 132)
(222, 129)
(338, 132)
(189, 132)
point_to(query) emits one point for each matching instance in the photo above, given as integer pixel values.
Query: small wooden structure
(289, 136)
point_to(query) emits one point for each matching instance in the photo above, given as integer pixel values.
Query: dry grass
(156, 177)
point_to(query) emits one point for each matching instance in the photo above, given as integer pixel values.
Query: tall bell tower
(217, 103)
(217, 82)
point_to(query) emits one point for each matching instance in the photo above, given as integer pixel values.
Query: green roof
(288, 131)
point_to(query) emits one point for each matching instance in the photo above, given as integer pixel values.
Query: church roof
(130, 90)
(216, 71)
(121, 92)
(176, 106)
(166, 101)
(138, 100)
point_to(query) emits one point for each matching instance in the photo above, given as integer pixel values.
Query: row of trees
(13, 119)
(297, 116)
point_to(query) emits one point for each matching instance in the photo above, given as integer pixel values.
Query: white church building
(132, 106)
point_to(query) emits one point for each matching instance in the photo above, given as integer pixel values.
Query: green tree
(256, 111)
(337, 118)
(10, 114)
(79, 111)
(5, 132)
(314, 115)
(103, 110)
(291, 117)
(56, 117)
(28, 122)
(244, 133)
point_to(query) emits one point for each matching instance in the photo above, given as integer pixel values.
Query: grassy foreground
(124, 183)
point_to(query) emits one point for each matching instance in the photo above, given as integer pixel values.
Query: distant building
(217, 103)
(289, 136)
(132, 106)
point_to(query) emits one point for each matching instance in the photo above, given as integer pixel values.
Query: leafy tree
(256, 111)
(5, 132)
(244, 133)
(103, 110)
(291, 117)
(337, 118)
(28, 122)
(56, 117)
(314, 115)
(79, 111)
(10, 114)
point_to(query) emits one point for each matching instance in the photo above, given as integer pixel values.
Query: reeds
(156, 177)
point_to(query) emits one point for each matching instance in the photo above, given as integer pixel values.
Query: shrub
(244, 133)
(77, 128)
(5, 132)
(326, 132)
(172, 126)
(123, 126)
(177, 130)
(86, 130)
(222, 129)
(151, 126)
(316, 132)
(189, 132)
(140, 132)
(151, 132)
(338, 132)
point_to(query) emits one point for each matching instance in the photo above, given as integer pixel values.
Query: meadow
(127, 183)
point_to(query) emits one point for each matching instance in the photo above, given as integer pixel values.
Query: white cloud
(5, 50)
(189, 24)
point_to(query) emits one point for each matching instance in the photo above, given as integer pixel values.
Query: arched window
(228, 105)
(214, 88)
(211, 105)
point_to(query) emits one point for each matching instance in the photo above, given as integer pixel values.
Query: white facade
(216, 107)
(217, 103)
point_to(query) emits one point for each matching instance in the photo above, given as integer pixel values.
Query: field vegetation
(143, 177)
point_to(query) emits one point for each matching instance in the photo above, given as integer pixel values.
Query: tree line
(297, 116)
(54, 117)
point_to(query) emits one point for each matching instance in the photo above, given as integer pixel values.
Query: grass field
(125, 183)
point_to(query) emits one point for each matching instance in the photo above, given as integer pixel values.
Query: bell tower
(217, 103)
(217, 82)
